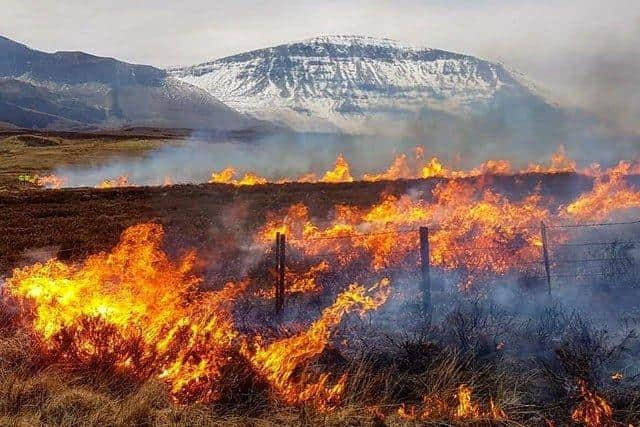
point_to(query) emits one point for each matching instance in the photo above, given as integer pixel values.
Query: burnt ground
(74, 222)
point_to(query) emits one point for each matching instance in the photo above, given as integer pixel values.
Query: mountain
(75, 90)
(349, 83)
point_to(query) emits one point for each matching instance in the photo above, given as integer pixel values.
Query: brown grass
(41, 153)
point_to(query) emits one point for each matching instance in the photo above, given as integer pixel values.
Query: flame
(47, 181)
(136, 310)
(466, 408)
(434, 168)
(279, 360)
(402, 167)
(134, 307)
(50, 181)
(251, 178)
(305, 282)
(399, 169)
(610, 193)
(560, 163)
(594, 410)
(435, 408)
(340, 173)
(122, 181)
(226, 176)
(468, 220)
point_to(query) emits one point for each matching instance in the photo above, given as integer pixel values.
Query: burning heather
(136, 310)
(482, 307)
(401, 167)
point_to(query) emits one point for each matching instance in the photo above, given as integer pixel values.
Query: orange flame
(122, 181)
(435, 407)
(50, 181)
(340, 173)
(594, 410)
(610, 193)
(279, 360)
(467, 219)
(134, 307)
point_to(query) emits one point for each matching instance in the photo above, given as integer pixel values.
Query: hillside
(67, 90)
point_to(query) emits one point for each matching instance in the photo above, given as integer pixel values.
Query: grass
(533, 379)
(41, 154)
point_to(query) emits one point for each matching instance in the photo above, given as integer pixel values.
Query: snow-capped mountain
(78, 90)
(350, 83)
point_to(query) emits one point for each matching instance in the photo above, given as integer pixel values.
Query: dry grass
(25, 153)
(531, 387)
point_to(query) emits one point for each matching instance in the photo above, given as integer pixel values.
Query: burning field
(415, 296)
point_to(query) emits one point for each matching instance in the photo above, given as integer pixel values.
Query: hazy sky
(581, 51)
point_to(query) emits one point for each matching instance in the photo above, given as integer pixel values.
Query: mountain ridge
(338, 78)
(116, 93)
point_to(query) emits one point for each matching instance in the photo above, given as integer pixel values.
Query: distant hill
(75, 89)
(346, 83)
(369, 86)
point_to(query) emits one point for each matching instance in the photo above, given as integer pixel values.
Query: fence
(562, 257)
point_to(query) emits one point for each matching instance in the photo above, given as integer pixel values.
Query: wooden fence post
(277, 283)
(545, 255)
(281, 272)
(426, 274)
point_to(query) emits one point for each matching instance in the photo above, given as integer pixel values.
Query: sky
(584, 53)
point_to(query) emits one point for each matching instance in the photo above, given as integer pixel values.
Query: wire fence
(568, 253)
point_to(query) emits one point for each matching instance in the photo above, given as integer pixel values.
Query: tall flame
(594, 410)
(133, 307)
(279, 360)
(340, 173)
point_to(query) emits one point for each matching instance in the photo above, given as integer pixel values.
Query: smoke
(459, 143)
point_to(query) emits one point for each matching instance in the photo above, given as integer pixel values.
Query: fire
(280, 360)
(560, 163)
(226, 176)
(47, 181)
(251, 178)
(340, 173)
(610, 193)
(136, 310)
(399, 169)
(434, 168)
(305, 282)
(133, 307)
(594, 410)
(122, 181)
(50, 181)
(465, 409)
(468, 220)
(477, 233)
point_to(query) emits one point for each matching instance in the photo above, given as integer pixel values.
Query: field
(39, 153)
(127, 327)
(78, 222)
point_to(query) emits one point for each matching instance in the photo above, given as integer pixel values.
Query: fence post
(545, 255)
(277, 283)
(281, 272)
(425, 267)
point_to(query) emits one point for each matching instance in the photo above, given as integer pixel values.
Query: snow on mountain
(76, 89)
(345, 83)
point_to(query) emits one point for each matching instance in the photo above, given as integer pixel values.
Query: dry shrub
(79, 407)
